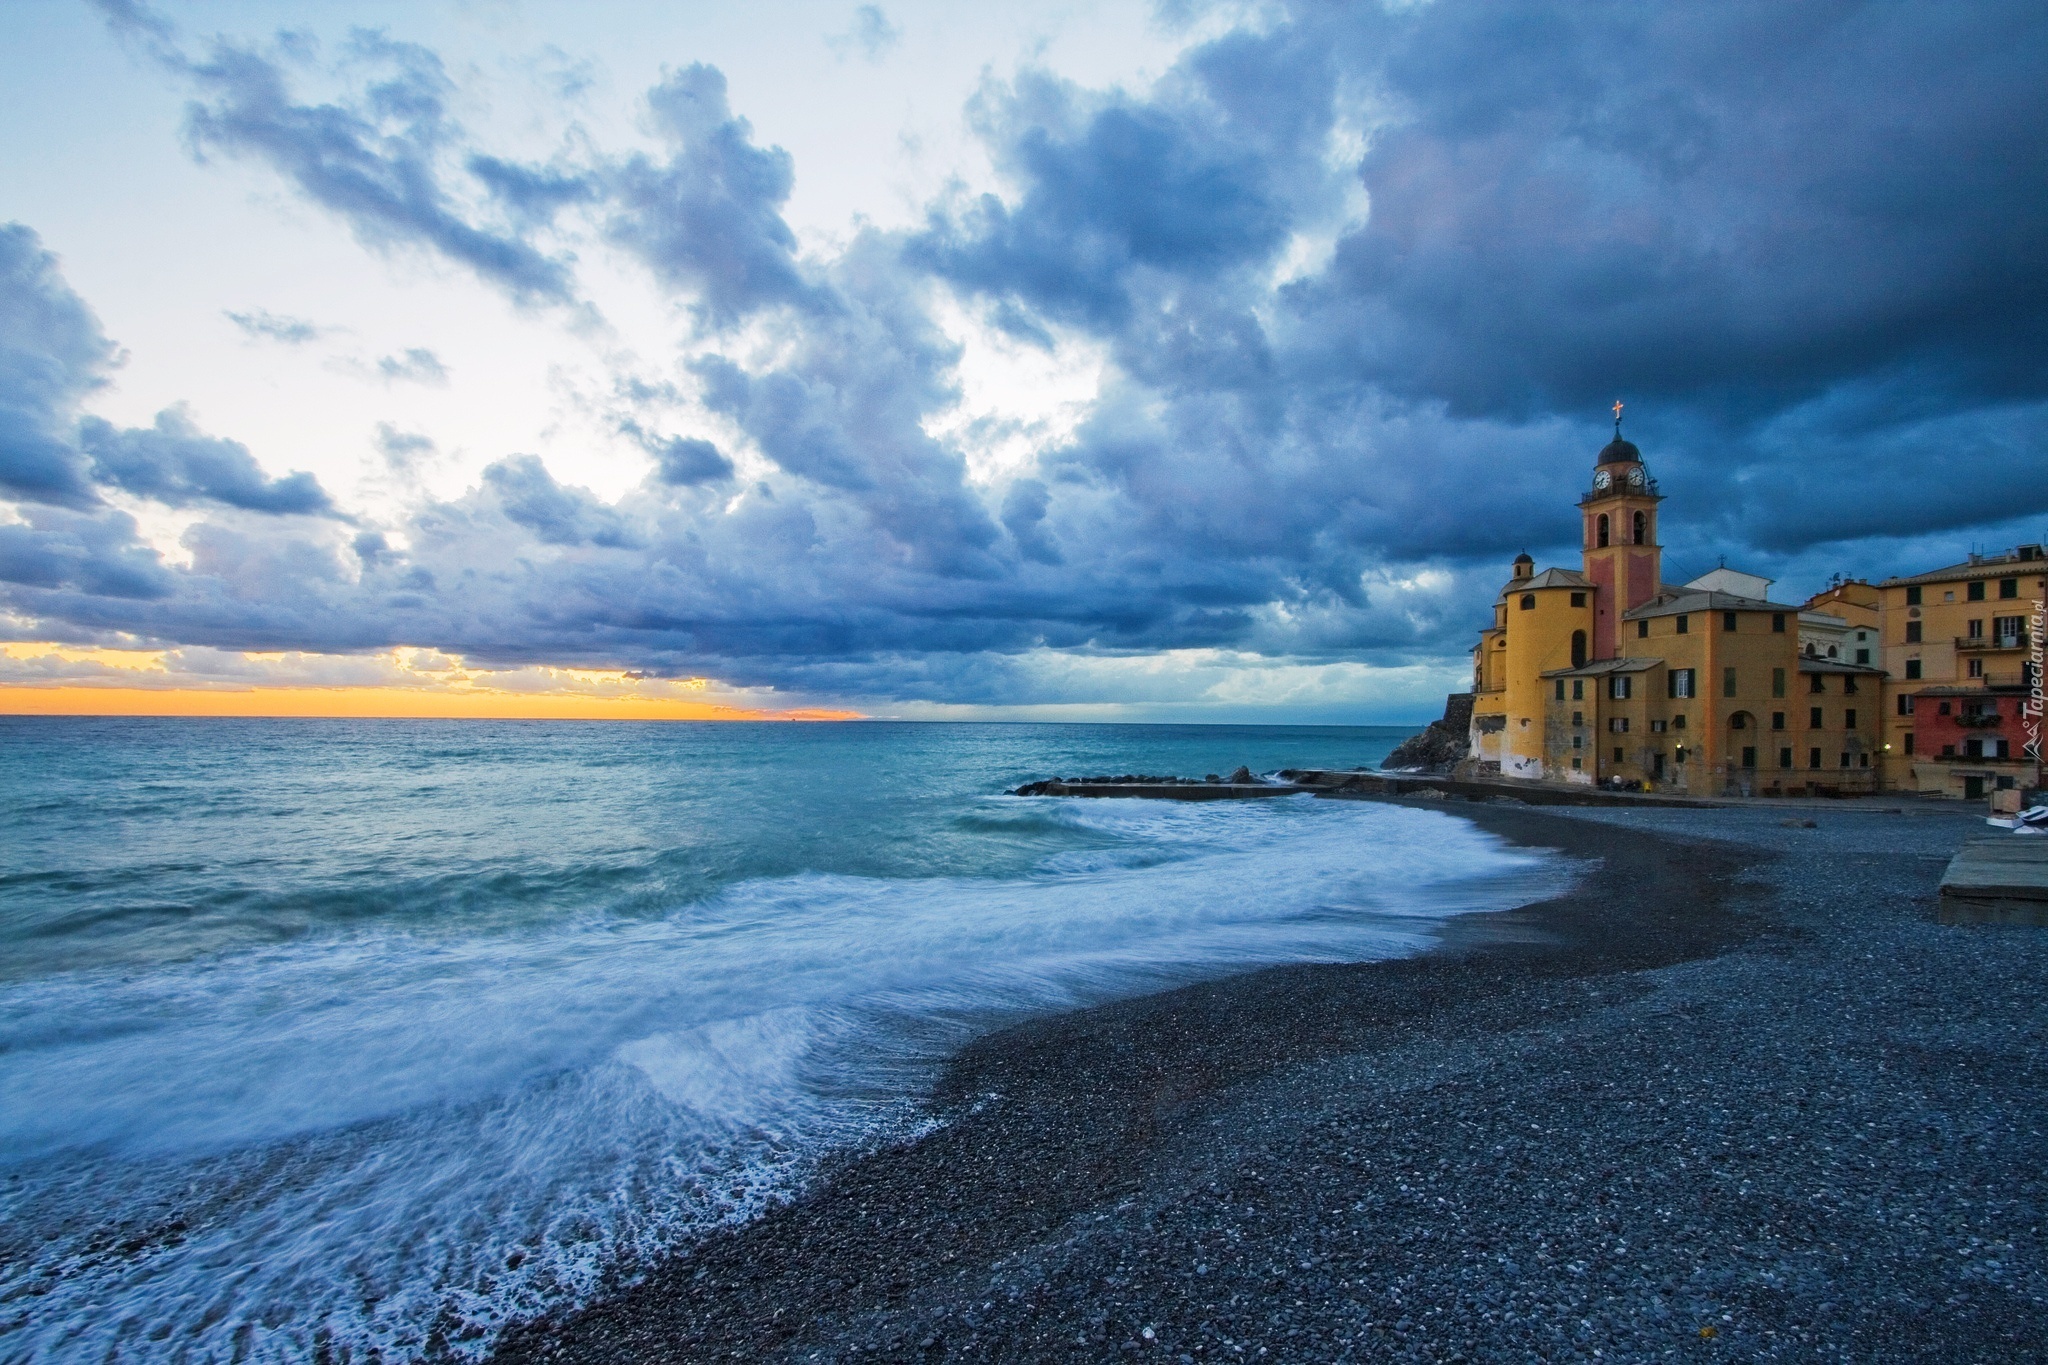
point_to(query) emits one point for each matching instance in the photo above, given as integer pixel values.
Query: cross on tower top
(1617, 417)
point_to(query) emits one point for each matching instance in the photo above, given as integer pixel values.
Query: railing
(2019, 641)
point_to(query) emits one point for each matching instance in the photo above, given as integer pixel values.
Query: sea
(362, 1040)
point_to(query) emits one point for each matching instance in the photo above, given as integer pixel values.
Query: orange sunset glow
(57, 680)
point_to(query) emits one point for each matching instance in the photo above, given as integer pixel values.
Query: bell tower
(1622, 557)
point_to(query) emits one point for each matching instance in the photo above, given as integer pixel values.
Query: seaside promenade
(1738, 1096)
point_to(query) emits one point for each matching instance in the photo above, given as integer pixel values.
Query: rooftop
(2023, 559)
(1684, 603)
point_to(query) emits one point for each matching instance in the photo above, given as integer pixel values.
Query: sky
(1090, 361)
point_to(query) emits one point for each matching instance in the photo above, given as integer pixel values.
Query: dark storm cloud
(1807, 243)
(680, 461)
(708, 219)
(556, 515)
(176, 464)
(86, 554)
(52, 354)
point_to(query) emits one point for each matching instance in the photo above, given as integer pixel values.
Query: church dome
(1619, 451)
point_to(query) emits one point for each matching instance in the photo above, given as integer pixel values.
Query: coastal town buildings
(1607, 674)
(1962, 651)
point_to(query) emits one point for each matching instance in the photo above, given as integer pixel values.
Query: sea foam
(403, 1138)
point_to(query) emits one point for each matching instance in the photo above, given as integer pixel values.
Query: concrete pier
(1997, 879)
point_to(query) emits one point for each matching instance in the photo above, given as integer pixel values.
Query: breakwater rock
(1441, 745)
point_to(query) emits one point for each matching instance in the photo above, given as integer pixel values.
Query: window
(1578, 741)
(1617, 725)
(1618, 687)
(1577, 764)
(1913, 597)
(1578, 689)
(1976, 668)
(1909, 741)
(1578, 599)
(1813, 758)
(1600, 532)
(1848, 684)
(1863, 657)
(1813, 718)
(1727, 682)
(1905, 703)
(1913, 633)
(1678, 754)
(1739, 721)
(1849, 719)
(1777, 623)
(1976, 629)
(1863, 760)
(1777, 682)
(1642, 630)
(1777, 720)
(1578, 648)
(1727, 620)
(1679, 682)
(1845, 760)
(1560, 689)
(1942, 709)
(1642, 528)
(1817, 683)
(1528, 601)
(1578, 717)
(1657, 727)
(1784, 758)
(2007, 587)
(2009, 632)
(1684, 624)
(1976, 591)
(1749, 756)
(1678, 722)
(1912, 668)
(1617, 754)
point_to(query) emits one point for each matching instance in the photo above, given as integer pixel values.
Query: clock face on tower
(1635, 478)
(1602, 479)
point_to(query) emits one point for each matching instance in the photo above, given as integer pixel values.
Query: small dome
(1619, 451)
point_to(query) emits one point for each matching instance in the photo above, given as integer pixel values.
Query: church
(1606, 674)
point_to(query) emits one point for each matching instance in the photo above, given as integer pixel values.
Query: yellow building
(1608, 675)
(1962, 646)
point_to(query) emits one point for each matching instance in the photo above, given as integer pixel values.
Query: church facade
(1606, 674)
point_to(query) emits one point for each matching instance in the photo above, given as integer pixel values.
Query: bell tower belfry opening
(1621, 554)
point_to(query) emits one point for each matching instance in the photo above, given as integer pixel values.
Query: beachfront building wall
(1832, 741)
(1734, 658)
(1963, 636)
(1550, 619)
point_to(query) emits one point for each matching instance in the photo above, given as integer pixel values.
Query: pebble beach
(1735, 1097)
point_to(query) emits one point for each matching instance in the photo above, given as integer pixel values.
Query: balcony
(1993, 643)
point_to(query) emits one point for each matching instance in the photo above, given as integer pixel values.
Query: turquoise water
(385, 1033)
